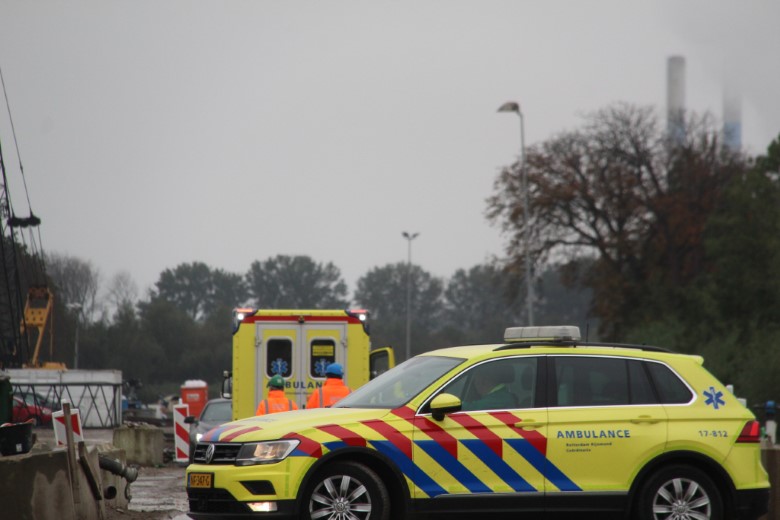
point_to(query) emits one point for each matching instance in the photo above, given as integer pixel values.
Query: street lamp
(77, 308)
(409, 237)
(512, 106)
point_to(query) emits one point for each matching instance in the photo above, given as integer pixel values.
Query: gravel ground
(157, 494)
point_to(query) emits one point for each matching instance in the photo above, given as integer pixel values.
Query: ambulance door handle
(529, 424)
(645, 419)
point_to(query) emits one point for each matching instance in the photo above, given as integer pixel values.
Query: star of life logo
(714, 398)
(320, 366)
(279, 366)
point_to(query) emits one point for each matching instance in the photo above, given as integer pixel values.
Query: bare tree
(76, 283)
(122, 291)
(621, 191)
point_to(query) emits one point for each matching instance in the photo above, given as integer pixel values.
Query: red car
(25, 409)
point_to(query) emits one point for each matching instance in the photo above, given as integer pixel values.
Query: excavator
(37, 310)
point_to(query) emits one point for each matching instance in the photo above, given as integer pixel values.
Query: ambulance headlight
(267, 452)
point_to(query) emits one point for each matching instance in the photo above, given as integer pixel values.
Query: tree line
(634, 235)
(181, 329)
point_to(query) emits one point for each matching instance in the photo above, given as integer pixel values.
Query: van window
(322, 352)
(279, 357)
(639, 384)
(670, 388)
(505, 383)
(604, 381)
(378, 363)
(590, 381)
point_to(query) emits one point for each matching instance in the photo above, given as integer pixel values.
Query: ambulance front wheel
(346, 490)
(680, 492)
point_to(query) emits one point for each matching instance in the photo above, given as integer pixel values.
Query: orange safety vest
(328, 394)
(275, 403)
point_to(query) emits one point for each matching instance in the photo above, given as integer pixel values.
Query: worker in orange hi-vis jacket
(276, 401)
(333, 389)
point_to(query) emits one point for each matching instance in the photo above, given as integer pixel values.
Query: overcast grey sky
(160, 132)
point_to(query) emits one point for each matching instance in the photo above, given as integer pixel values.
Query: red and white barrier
(181, 432)
(58, 420)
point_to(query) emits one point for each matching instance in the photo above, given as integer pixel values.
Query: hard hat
(334, 369)
(276, 381)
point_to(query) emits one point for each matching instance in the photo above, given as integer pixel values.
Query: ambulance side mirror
(443, 404)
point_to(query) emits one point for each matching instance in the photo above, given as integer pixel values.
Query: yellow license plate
(200, 480)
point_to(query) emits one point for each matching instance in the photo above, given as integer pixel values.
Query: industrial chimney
(732, 116)
(675, 98)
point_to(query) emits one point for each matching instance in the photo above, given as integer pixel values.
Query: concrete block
(36, 486)
(117, 482)
(142, 444)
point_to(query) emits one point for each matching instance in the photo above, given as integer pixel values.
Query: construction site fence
(99, 404)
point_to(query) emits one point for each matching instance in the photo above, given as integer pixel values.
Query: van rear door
(299, 352)
(324, 343)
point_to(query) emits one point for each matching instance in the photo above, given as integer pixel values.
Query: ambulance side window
(639, 384)
(670, 388)
(279, 357)
(456, 388)
(495, 385)
(591, 381)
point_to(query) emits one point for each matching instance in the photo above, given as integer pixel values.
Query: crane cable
(13, 285)
(32, 221)
(22, 348)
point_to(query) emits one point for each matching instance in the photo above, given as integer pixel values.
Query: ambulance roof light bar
(242, 313)
(238, 316)
(360, 314)
(549, 333)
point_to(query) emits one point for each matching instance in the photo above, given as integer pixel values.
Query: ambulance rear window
(321, 354)
(279, 357)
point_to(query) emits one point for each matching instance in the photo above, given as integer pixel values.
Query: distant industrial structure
(732, 115)
(675, 98)
(675, 106)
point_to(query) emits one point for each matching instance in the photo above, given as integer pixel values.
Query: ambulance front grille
(224, 453)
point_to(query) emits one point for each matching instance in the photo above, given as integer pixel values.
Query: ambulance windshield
(398, 385)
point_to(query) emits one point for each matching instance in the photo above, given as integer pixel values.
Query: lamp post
(512, 106)
(409, 237)
(77, 308)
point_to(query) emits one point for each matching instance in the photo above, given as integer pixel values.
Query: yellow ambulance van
(297, 345)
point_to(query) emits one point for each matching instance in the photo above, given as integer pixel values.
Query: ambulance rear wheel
(680, 493)
(346, 490)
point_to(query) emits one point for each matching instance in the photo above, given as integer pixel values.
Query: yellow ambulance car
(543, 424)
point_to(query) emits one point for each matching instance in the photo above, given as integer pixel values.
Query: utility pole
(512, 106)
(409, 237)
